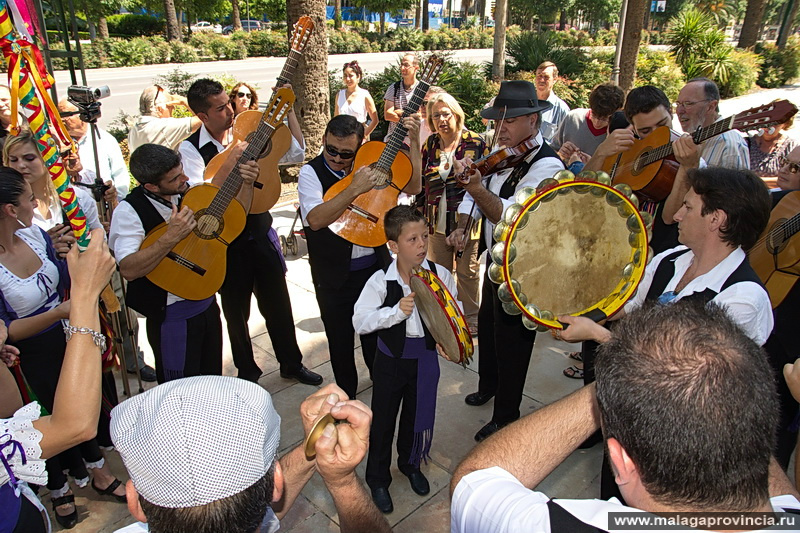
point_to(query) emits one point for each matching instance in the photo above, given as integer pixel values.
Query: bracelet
(98, 338)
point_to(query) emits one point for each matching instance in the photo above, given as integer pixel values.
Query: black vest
(666, 270)
(256, 226)
(143, 295)
(329, 254)
(395, 337)
(513, 179)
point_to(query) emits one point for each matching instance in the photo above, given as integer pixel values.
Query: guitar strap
(156, 198)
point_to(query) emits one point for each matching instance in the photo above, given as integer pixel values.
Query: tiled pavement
(456, 422)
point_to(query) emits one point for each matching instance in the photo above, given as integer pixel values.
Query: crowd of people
(685, 385)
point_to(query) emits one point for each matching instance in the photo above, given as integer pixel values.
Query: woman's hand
(91, 270)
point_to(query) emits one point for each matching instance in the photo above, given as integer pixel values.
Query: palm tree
(310, 82)
(499, 55)
(632, 36)
(173, 29)
(236, 17)
(752, 23)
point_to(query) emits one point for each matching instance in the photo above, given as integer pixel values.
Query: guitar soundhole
(208, 226)
(638, 163)
(384, 178)
(267, 147)
(776, 237)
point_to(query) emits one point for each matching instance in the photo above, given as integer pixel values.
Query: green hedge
(134, 25)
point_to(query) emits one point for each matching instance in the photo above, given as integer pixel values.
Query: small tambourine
(440, 312)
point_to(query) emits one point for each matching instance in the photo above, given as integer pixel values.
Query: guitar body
(650, 181)
(195, 268)
(362, 222)
(776, 255)
(267, 189)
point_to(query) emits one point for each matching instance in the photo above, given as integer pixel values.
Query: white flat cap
(196, 440)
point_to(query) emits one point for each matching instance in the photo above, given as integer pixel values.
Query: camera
(80, 94)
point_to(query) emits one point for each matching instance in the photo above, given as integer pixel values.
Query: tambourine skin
(572, 247)
(441, 314)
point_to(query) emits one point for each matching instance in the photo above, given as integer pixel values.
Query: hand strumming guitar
(181, 224)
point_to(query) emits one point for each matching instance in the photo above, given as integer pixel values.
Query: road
(127, 83)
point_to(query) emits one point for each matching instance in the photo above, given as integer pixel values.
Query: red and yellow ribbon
(29, 80)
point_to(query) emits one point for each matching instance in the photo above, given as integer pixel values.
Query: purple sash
(173, 335)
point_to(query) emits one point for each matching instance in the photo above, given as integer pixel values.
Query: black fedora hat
(516, 98)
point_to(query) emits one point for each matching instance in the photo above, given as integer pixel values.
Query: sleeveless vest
(666, 270)
(143, 295)
(395, 337)
(329, 254)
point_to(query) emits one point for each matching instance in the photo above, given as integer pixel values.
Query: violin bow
(470, 219)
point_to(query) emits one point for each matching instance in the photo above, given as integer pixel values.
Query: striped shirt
(728, 150)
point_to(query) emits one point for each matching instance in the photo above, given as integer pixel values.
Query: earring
(21, 223)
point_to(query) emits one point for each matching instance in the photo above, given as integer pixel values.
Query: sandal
(67, 521)
(109, 491)
(578, 356)
(573, 372)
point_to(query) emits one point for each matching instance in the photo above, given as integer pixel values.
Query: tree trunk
(173, 30)
(383, 23)
(752, 23)
(92, 30)
(236, 17)
(426, 20)
(418, 14)
(310, 82)
(788, 23)
(337, 15)
(102, 28)
(499, 55)
(634, 18)
(562, 20)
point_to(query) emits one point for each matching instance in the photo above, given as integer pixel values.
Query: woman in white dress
(355, 101)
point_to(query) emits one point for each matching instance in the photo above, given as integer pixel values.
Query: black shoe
(478, 398)
(382, 499)
(488, 430)
(147, 373)
(70, 520)
(419, 482)
(303, 375)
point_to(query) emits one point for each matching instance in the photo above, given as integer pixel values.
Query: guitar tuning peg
(771, 130)
(760, 132)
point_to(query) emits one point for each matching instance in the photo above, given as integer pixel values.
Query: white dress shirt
(747, 302)
(127, 233)
(369, 316)
(86, 203)
(112, 164)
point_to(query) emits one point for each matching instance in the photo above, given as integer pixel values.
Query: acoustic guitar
(776, 255)
(251, 124)
(647, 168)
(195, 268)
(362, 221)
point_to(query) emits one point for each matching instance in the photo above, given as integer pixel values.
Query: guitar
(645, 165)
(776, 255)
(362, 221)
(250, 125)
(195, 268)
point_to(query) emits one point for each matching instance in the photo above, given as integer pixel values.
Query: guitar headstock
(433, 67)
(764, 116)
(301, 33)
(282, 101)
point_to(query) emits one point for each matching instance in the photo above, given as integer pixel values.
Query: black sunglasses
(333, 152)
(242, 95)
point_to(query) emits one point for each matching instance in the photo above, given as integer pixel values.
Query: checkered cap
(196, 440)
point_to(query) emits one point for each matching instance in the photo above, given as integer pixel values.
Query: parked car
(203, 25)
(247, 25)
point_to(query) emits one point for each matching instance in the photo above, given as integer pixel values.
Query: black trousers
(505, 353)
(336, 310)
(41, 358)
(254, 267)
(394, 382)
(779, 356)
(203, 344)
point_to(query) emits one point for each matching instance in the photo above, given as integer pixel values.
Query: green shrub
(127, 52)
(96, 54)
(134, 25)
(348, 42)
(779, 66)
(263, 43)
(529, 49)
(403, 39)
(659, 69)
(176, 81)
(182, 53)
(744, 74)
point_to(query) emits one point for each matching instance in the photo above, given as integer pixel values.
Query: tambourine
(572, 246)
(441, 314)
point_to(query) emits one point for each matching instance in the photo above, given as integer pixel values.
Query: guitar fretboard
(287, 73)
(395, 141)
(784, 231)
(699, 136)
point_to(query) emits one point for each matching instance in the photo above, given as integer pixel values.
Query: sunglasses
(333, 152)
(794, 168)
(243, 95)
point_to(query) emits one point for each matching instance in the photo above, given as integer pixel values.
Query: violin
(499, 160)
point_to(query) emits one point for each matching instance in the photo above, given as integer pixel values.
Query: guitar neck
(395, 141)
(287, 73)
(699, 136)
(230, 188)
